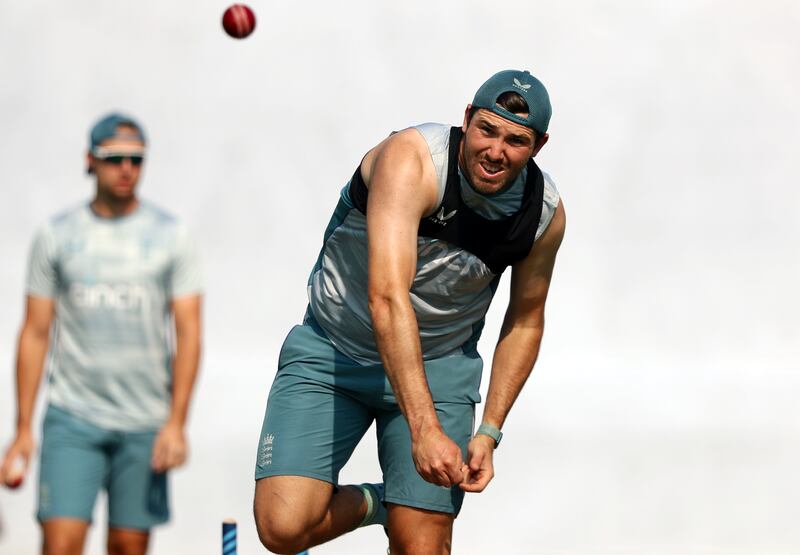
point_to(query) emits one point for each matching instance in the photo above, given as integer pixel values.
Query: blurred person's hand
(16, 459)
(169, 448)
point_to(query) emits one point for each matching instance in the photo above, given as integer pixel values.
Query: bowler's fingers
(473, 488)
(442, 479)
(454, 467)
(480, 471)
(477, 481)
(456, 475)
(466, 474)
(436, 474)
(445, 475)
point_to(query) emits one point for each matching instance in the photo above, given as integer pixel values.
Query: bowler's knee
(283, 520)
(280, 533)
(418, 531)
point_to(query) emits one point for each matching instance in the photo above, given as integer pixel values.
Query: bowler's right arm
(402, 190)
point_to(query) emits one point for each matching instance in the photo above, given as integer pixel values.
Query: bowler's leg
(312, 424)
(294, 513)
(415, 531)
(421, 514)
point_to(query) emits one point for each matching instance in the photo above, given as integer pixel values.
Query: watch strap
(492, 432)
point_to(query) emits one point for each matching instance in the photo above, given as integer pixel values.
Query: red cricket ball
(14, 478)
(238, 21)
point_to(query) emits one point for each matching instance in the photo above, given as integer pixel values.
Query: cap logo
(519, 85)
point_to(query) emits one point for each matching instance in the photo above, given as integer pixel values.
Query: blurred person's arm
(170, 449)
(32, 347)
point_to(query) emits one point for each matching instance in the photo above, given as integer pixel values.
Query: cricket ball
(14, 478)
(238, 21)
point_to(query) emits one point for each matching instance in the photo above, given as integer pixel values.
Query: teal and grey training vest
(463, 248)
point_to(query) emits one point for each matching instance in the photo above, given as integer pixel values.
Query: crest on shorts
(265, 457)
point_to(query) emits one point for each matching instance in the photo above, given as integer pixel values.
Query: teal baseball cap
(107, 127)
(525, 85)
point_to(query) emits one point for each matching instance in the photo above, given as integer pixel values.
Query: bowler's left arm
(518, 346)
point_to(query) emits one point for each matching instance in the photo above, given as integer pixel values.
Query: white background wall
(662, 416)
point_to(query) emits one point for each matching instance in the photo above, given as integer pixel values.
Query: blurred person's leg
(122, 541)
(137, 495)
(64, 536)
(73, 468)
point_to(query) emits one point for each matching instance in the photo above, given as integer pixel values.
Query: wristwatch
(492, 432)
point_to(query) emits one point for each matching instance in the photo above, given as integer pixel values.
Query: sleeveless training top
(463, 247)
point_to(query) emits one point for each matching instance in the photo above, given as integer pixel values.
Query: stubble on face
(494, 151)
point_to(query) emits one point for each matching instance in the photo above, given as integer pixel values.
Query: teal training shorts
(322, 402)
(78, 459)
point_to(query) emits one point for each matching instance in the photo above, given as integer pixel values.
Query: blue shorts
(78, 459)
(322, 403)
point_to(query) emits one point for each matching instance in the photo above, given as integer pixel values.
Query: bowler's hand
(169, 448)
(480, 465)
(20, 449)
(438, 458)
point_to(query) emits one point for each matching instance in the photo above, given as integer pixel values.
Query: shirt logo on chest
(441, 218)
(120, 296)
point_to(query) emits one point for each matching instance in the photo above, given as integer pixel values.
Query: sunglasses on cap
(116, 158)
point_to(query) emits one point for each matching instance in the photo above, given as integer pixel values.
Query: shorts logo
(44, 496)
(265, 454)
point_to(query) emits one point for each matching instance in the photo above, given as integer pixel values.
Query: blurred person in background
(114, 306)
